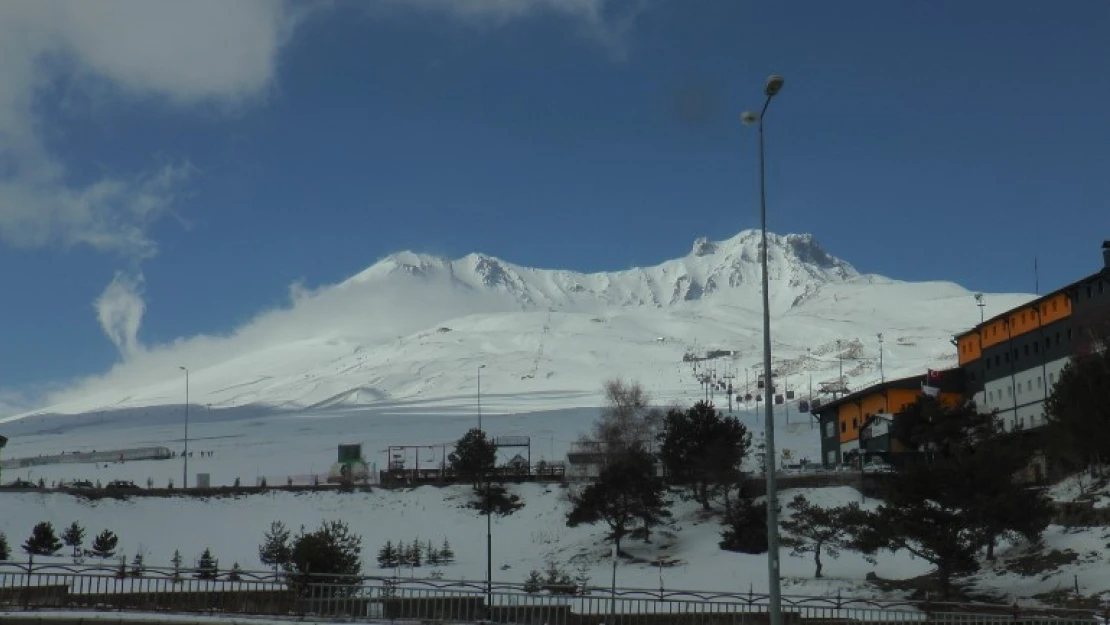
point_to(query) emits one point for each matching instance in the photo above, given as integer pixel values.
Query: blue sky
(225, 154)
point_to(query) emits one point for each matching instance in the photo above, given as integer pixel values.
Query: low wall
(90, 457)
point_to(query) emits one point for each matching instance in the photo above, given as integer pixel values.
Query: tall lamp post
(772, 87)
(480, 367)
(882, 375)
(185, 456)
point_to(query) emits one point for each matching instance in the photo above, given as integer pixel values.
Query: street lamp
(882, 375)
(185, 456)
(480, 367)
(774, 84)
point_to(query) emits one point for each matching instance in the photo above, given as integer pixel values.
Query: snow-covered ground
(294, 445)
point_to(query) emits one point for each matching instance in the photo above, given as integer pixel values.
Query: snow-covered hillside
(412, 331)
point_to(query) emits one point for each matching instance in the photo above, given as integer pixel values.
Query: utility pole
(489, 546)
(981, 304)
(480, 367)
(185, 456)
(882, 376)
(773, 86)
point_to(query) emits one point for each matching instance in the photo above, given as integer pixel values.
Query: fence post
(27, 582)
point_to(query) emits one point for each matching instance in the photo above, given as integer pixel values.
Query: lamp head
(774, 84)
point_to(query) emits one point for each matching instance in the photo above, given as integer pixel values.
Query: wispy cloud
(605, 22)
(120, 312)
(185, 53)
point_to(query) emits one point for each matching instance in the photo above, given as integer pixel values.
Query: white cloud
(607, 22)
(120, 312)
(184, 52)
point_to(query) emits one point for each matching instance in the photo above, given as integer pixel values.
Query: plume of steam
(120, 312)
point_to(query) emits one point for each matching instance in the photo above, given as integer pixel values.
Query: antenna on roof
(981, 304)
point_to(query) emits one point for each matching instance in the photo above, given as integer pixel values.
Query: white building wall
(1026, 390)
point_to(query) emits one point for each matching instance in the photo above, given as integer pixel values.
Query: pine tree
(206, 566)
(275, 549)
(446, 553)
(431, 554)
(627, 496)
(104, 545)
(415, 553)
(702, 449)
(137, 568)
(235, 574)
(387, 556)
(402, 553)
(43, 541)
(176, 560)
(329, 558)
(74, 537)
(817, 530)
(474, 455)
(534, 582)
(5, 551)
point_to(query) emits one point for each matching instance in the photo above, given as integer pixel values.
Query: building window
(1036, 348)
(830, 429)
(843, 426)
(1069, 334)
(1039, 381)
(830, 457)
(1026, 350)
(1052, 378)
(1053, 305)
(1047, 342)
(1009, 391)
(1029, 385)
(1019, 388)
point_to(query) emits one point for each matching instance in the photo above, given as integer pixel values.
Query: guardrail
(61, 587)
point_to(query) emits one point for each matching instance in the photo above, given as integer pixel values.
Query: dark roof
(949, 379)
(1101, 273)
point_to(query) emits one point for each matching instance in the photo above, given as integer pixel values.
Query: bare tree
(628, 421)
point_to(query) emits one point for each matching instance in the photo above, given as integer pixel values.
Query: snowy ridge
(411, 331)
(796, 261)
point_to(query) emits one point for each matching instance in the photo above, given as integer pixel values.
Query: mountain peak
(797, 265)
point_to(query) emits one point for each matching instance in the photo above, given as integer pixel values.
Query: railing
(394, 598)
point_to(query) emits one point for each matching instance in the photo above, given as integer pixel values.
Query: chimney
(1106, 255)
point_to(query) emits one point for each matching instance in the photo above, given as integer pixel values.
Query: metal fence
(358, 598)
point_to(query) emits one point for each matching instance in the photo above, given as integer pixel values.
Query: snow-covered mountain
(411, 331)
(796, 263)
